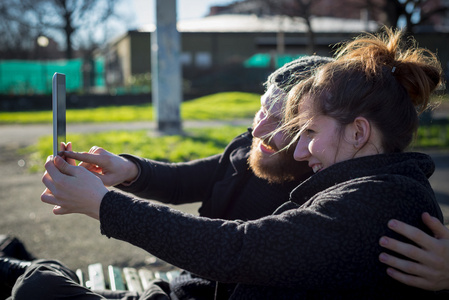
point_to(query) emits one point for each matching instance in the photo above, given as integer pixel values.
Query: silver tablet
(59, 119)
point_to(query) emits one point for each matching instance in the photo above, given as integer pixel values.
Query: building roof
(253, 23)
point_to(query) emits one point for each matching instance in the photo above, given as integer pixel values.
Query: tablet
(59, 119)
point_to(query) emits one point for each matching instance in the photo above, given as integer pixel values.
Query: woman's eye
(308, 132)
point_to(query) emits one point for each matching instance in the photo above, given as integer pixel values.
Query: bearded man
(249, 180)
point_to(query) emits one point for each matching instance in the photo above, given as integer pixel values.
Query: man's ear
(360, 132)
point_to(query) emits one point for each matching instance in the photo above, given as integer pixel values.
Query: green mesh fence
(20, 77)
(263, 60)
(286, 58)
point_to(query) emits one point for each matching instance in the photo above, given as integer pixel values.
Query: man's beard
(280, 167)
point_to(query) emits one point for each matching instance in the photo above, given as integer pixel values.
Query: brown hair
(377, 77)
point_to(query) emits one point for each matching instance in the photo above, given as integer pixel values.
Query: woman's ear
(360, 132)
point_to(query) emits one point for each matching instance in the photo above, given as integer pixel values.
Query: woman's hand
(72, 189)
(110, 168)
(430, 268)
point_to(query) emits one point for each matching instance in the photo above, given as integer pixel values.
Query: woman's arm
(430, 266)
(72, 189)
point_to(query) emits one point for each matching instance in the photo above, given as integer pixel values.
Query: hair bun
(417, 69)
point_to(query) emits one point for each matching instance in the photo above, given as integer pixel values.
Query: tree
(10, 45)
(412, 12)
(291, 8)
(297, 8)
(305, 10)
(416, 12)
(60, 19)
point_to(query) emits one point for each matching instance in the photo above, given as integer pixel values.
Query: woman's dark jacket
(326, 248)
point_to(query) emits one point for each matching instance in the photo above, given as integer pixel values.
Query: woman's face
(323, 143)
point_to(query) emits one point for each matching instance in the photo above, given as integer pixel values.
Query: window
(203, 60)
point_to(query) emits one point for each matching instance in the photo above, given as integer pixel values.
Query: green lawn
(195, 143)
(220, 106)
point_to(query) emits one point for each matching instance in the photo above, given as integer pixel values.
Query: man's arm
(174, 183)
(430, 266)
(110, 168)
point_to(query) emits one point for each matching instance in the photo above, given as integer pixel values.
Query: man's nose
(261, 128)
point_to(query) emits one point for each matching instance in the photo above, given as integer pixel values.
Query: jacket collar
(415, 165)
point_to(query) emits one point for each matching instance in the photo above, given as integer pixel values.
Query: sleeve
(173, 183)
(330, 241)
(274, 251)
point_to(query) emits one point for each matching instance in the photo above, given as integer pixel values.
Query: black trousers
(49, 279)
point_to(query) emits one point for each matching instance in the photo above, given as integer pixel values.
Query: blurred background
(104, 46)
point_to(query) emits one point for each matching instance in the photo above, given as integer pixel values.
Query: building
(218, 52)
(237, 51)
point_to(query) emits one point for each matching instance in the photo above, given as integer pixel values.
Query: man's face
(266, 159)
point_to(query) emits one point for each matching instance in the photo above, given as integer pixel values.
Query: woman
(348, 110)
(323, 248)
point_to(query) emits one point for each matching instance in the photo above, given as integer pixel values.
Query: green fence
(19, 77)
(266, 60)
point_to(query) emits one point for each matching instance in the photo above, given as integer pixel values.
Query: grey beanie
(291, 73)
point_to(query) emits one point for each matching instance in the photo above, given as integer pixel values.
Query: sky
(135, 13)
(186, 9)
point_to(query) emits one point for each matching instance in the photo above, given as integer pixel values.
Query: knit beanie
(291, 73)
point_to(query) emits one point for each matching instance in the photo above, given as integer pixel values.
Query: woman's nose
(301, 151)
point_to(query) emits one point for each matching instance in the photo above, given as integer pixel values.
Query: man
(226, 186)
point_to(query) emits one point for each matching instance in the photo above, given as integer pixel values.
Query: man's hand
(110, 168)
(72, 189)
(66, 147)
(430, 268)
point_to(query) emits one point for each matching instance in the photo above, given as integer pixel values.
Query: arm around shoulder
(428, 267)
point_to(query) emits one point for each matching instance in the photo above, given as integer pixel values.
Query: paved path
(24, 135)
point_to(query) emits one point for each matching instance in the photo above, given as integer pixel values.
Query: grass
(433, 137)
(220, 106)
(195, 143)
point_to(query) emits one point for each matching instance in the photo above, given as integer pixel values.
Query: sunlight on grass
(433, 136)
(194, 144)
(220, 106)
